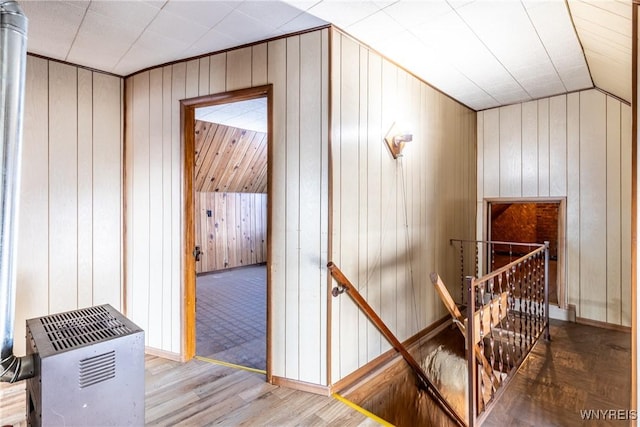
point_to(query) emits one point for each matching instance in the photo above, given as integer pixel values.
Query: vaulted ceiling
(484, 53)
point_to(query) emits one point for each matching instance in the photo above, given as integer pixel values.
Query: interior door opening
(226, 270)
(530, 221)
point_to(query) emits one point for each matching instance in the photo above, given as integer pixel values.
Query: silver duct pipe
(13, 61)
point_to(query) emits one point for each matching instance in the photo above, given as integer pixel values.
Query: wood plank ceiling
(229, 159)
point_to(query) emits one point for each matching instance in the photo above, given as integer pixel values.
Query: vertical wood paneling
(178, 92)
(558, 146)
(310, 235)
(625, 213)
(192, 79)
(392, 217)
(239, 68)
(32, 269)
(593, 210)
(491, 152)
(85, 188)
(229, 240)
(375, 199)
(363, 196)
(510, 151)
(72, 146)
(168, 305)
(388, 174)
(612, 206)
(154, 332)
(587, 162)
(292, 208)
(259, 65)
(107, 190)
(543, 147)
(218, 73)
(573, 199)
(529, 150)
(349, 187)
(140, 251)
(203, 77)
(63, 187)
(277, 66)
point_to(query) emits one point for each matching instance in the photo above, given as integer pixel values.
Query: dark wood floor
(582, 368)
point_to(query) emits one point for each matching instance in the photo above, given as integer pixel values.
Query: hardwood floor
(197, 393)
(583, 368)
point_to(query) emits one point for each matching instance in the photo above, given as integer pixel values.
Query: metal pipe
(13, 61)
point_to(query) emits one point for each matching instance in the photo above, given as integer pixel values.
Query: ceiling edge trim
(84, 67)
(242, 46)
(617, 98)
(575, 31)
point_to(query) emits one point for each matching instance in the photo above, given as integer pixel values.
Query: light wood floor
(199, 394)
(582, 368)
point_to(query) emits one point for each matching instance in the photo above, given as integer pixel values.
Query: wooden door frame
(561, 281)
(187, 126)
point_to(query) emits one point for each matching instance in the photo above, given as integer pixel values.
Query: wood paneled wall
(297, 66)
(70, 228)
(576, 146)
(229, 160)
(231, 229)
(392, 219)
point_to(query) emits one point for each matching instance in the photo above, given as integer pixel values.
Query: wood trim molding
(230, 49)
(634, 207)
(603, 325)
(163, 354)
(187, 123)
(322, 390)
(329, 202)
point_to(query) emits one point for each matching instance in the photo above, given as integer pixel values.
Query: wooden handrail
(386, 332)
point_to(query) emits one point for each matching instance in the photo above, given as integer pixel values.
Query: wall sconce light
(396, 140)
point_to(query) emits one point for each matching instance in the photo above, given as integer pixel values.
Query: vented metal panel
(89, 369)
(85, 326)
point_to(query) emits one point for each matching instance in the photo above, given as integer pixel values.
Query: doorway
(530, 221)
(227, 233)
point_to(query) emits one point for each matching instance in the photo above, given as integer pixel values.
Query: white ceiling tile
(244, 28)
(412, 14)
(114, 37)
(249, 115)
(554, 27)
(52, 26)
(134, 14)
(343, 13)
(273, 14)
(206, 13)
(375, 27)
(301, 22)
(211, 42)
(176, 27)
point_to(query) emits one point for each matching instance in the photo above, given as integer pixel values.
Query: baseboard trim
(604, 325)
(300, 385)
(177, 357)
(557, 313)
(366, 370)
